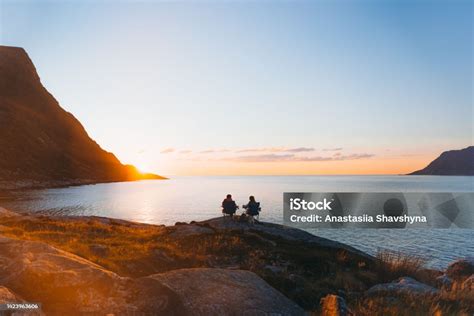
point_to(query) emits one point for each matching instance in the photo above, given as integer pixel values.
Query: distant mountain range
(451, 163)
(42, 143)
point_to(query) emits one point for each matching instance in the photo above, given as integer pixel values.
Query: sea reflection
(198, 198)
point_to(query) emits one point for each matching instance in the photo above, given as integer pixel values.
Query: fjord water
(183, 199)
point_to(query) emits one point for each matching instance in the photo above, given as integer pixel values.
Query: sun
(142, 167)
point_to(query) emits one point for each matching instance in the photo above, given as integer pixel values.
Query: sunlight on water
(199, 198)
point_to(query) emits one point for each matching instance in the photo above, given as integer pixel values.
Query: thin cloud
(167, 150)
(337, 158)
(276, 150)
(264, 149)
(185, 151)
(294, 158)
(262, 158)
(333, 149)
(299, 149)
(207, 151)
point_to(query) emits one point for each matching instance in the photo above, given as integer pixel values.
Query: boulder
(7, 296)
(6, 213)
(62, 281)
(461, 269)
(283, 232)
(468, 284)
(403, 286)
(226, 292)
(333, 305)
(443, 281)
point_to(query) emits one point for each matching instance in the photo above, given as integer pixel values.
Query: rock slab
(403, 286)
(226, 292)
(66, 284)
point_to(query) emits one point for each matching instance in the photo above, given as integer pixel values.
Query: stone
(6, 213)
(468, 284)
(206, 291)
(62, 281)
(403, 286)
(461, 269)
(7, 296)
(443, 281)
(284, 232)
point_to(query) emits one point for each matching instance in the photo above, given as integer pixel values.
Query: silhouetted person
(229, 206)
(252, 207)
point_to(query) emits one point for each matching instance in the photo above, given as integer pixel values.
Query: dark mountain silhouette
(42, 143)
(451, 163)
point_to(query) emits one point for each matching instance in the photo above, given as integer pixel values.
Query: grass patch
(391, 265)
(304, 272)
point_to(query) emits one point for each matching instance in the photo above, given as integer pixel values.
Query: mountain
(41, 144)
(451, 163)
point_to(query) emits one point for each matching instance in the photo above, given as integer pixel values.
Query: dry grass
(139, 249)
(459, 303)
(391, 265)
(306, 272)
(130, 250)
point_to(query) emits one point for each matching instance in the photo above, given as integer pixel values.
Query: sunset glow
(319, 162)
(185, 88)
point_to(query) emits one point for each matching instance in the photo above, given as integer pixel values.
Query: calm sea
(199, 198)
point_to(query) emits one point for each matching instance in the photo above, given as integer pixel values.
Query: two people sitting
(229, 207)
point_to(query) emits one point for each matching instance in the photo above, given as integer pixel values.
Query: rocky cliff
(451, 163)
(40, 143)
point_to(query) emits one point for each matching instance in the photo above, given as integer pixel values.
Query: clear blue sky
(151, 80)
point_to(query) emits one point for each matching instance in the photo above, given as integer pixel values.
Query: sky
(257, 87)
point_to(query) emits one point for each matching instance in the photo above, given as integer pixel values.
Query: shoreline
(18, 186)
(440, 259)
(14, 185)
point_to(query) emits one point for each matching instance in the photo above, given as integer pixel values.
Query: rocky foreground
(93, 265)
